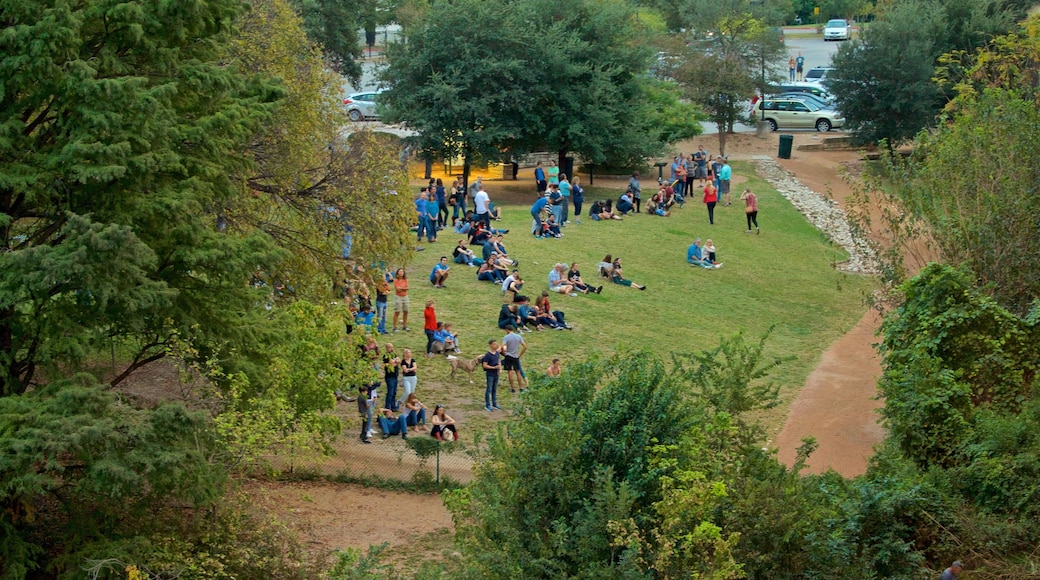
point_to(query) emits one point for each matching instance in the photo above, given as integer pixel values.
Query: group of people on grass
(493, 263)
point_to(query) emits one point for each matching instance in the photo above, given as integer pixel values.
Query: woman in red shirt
(711, 197)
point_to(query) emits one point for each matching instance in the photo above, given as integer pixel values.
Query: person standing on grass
(711, 198)
(577, 197)
(429, 326)
(565, 193)
(409, 376)
(491, 362)
(420, 211)
(554, 173)
(514, 346)
(700, 158)
(432, 218)
(482, 205)
(401, 298)
(536, 215)
(442, 203)
(725, 173)
(382, 301)
(636, 189)
(364, 407)
(750, 210)
(391, 372)
(539, 178)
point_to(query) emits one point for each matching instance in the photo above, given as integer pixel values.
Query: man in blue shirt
(539, 178)
(536, 213)
(420, 210)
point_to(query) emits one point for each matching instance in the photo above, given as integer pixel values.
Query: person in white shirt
(482, 201)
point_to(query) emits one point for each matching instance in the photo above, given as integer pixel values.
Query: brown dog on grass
(467, 364)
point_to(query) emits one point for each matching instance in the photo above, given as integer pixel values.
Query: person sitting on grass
(605, 266)
(551, 229)
(554, 318)
(695, 255)
(461, 225)
(443, 425)
(599, 210)
(558, 280)
(709, 252)
(416, 412)
(574, 277)
(444, 340)
(527, 315)
(507, 316)
(489, 272)
(554, 369)
(392, 424)
(464, 255)
(617, 276)
(657, 205)
(512, 286)
(624, 203)
(440, 273)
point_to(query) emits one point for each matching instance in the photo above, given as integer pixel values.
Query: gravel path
(822, 212)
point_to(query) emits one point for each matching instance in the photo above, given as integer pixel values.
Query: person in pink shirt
(750, 209)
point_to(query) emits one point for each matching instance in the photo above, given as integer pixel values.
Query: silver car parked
(361, 106)
(789, 113)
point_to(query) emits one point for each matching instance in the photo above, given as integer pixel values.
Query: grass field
(783, 278)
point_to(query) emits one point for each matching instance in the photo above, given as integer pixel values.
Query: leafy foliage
(117, 138)
(882, 82)
(620, 494)
(948, 350)
(478, 95)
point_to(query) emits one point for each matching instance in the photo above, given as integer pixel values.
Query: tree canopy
(883, 80)
(524, 76)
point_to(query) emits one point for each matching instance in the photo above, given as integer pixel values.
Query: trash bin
(786, 142)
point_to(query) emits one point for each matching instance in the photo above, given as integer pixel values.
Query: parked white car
(837, 29)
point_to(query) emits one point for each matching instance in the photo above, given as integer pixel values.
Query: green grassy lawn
(783, 278)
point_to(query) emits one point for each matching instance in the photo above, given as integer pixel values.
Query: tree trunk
(722, 142)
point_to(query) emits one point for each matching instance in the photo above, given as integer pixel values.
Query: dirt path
(837, 405)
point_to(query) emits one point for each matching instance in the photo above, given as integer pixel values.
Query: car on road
(837, 29)
(791, 113)
(361, 106)
(817, 73)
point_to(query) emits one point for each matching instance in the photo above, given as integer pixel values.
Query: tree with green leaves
(882, 82)
(524, 76)
(588, 82)
(632, 488)
(461, 80)
(120, 138)
(744, 56)
(334, 24)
